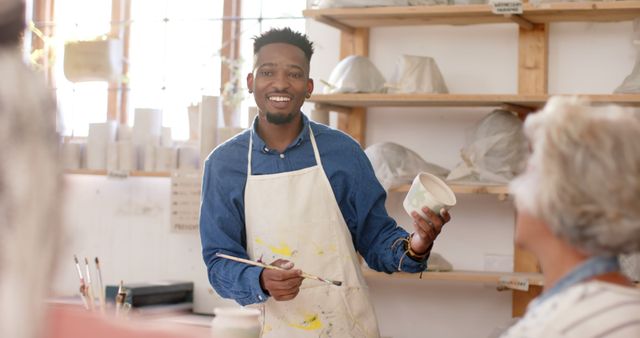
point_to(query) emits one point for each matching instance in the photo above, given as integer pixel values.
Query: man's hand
(281, 284)
(427, 229)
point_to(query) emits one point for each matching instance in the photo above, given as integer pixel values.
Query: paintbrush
(120, 297)
(89, 286)
(100, 287)
(273, 267)
(83, 286)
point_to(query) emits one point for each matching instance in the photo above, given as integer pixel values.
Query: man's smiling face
(280, 81)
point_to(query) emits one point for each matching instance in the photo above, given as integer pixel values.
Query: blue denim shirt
(359, 195)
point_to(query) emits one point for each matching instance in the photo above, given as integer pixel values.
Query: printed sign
(185, 201)
(514, 283)
(506, 6)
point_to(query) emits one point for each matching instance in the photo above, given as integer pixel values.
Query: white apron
(294, 216)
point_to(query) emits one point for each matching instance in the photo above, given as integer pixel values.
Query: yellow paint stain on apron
(319, 249)
(267, 329)
(310, 323)
(332, 248)
(282, 250)
(322, 250)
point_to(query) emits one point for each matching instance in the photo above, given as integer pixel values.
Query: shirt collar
(258, 142)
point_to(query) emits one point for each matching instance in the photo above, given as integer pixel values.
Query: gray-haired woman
(578, 208)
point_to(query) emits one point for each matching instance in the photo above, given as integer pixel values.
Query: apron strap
(316, 153)
(315, 147)
(250, 151)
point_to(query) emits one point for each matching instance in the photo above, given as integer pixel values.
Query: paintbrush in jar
(83, 285)
(101, 297)
(120, 298)
(273, 267)
(89, 285)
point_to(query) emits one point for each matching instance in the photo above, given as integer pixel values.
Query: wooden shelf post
(533, 56)
(354, 42)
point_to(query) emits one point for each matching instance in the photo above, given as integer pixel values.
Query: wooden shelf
(536, 101)
(347, 19)
(460, 276)
(132, 173)
(533, 68)
(493, 189)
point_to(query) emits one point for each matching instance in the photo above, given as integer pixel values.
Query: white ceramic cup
(233, 322)
(429, 191)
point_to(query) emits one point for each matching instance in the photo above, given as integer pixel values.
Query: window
(174, 57)
(84, 102)
(172, 54)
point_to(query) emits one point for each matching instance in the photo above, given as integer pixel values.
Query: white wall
(126, 222)
(583, 58)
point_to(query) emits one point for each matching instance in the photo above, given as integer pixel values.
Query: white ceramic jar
(235, 323)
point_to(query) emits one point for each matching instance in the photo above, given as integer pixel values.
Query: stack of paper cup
(209, 108)
(166, 140)
(72, 155)
(166, 158)
(100, 135)
(126, 156)
(112, 156)
(121, 156)
(147, 131)
(194, 122)
(124, 133)
(149, 157)
(188, 157)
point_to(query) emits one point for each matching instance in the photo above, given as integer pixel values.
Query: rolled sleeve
(378, 238)
(222, 230)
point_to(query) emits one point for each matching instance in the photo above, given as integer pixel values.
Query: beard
(280, 119)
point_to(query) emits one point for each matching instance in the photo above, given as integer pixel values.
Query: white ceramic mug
(233, 322)
(428, 190)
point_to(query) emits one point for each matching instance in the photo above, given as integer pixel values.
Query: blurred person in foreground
(578, 208)
(31, 230)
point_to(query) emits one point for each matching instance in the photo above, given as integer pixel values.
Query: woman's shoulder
(596, 309)
(591, 309)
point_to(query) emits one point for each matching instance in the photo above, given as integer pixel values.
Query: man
(289, 190)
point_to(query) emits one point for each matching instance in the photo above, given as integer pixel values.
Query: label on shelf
(514, 283)
(118, 173)
(506, 6)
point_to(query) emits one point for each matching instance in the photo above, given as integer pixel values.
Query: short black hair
(284, 35)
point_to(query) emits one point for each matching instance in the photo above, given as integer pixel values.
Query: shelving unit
(131, 173)
(524, 101)
(533, 279)
(500, 190)
(532, 92)
(348, 19)
(354, 24)
(459, 188)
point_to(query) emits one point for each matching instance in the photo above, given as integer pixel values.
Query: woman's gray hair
(583, 176)
(30, 192)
